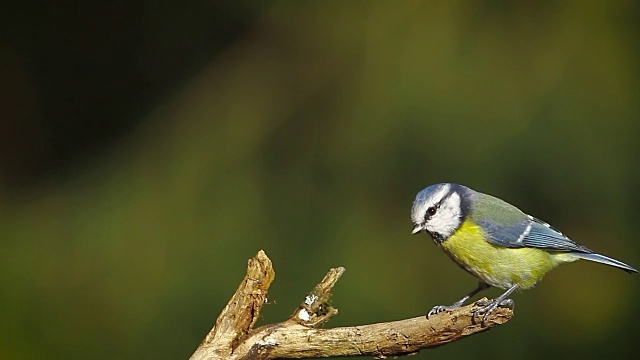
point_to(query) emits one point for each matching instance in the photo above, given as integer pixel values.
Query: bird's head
(439, 210)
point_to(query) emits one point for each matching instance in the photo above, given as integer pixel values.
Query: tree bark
(298, 337)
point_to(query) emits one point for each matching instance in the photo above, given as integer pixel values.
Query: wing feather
(532, 233)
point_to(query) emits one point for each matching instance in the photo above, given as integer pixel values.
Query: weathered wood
(233, 336)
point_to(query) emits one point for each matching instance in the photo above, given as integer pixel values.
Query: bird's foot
(441, 308)
(489, 306)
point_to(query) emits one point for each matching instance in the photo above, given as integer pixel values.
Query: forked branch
(298, 337)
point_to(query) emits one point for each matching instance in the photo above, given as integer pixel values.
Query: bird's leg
(491, 305)
(440, 308)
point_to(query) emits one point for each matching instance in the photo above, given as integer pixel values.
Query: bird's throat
(437, 238)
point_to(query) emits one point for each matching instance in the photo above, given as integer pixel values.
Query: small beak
(416, 229)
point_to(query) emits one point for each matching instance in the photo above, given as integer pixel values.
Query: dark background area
(148, 149)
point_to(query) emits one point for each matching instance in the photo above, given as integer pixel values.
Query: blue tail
(605, 260)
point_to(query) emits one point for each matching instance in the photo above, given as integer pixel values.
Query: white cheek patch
(448, 217)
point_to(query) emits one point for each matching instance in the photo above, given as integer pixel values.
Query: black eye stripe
(431, 211)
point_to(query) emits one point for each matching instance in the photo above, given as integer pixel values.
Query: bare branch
(316, 308)
(241, 312)
(298, 337)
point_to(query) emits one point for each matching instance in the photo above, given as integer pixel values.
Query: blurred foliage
(150, 148)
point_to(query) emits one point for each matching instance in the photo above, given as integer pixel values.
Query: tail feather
(605, 260)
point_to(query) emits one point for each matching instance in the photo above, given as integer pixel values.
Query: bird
(494, 241)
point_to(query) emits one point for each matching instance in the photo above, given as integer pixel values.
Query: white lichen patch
(310, 299)
(304, 315)
(267, 341)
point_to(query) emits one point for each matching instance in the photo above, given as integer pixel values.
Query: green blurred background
(148, 149)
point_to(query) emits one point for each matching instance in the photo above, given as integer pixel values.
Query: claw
(440, 308)
(490, 306)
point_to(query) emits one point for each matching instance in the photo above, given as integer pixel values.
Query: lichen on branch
(233, 336)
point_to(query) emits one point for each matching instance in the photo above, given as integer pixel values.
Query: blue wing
(532, 233)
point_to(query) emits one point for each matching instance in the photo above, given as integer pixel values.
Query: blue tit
(494, 241)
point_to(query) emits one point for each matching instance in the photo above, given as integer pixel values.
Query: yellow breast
(499, 266)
